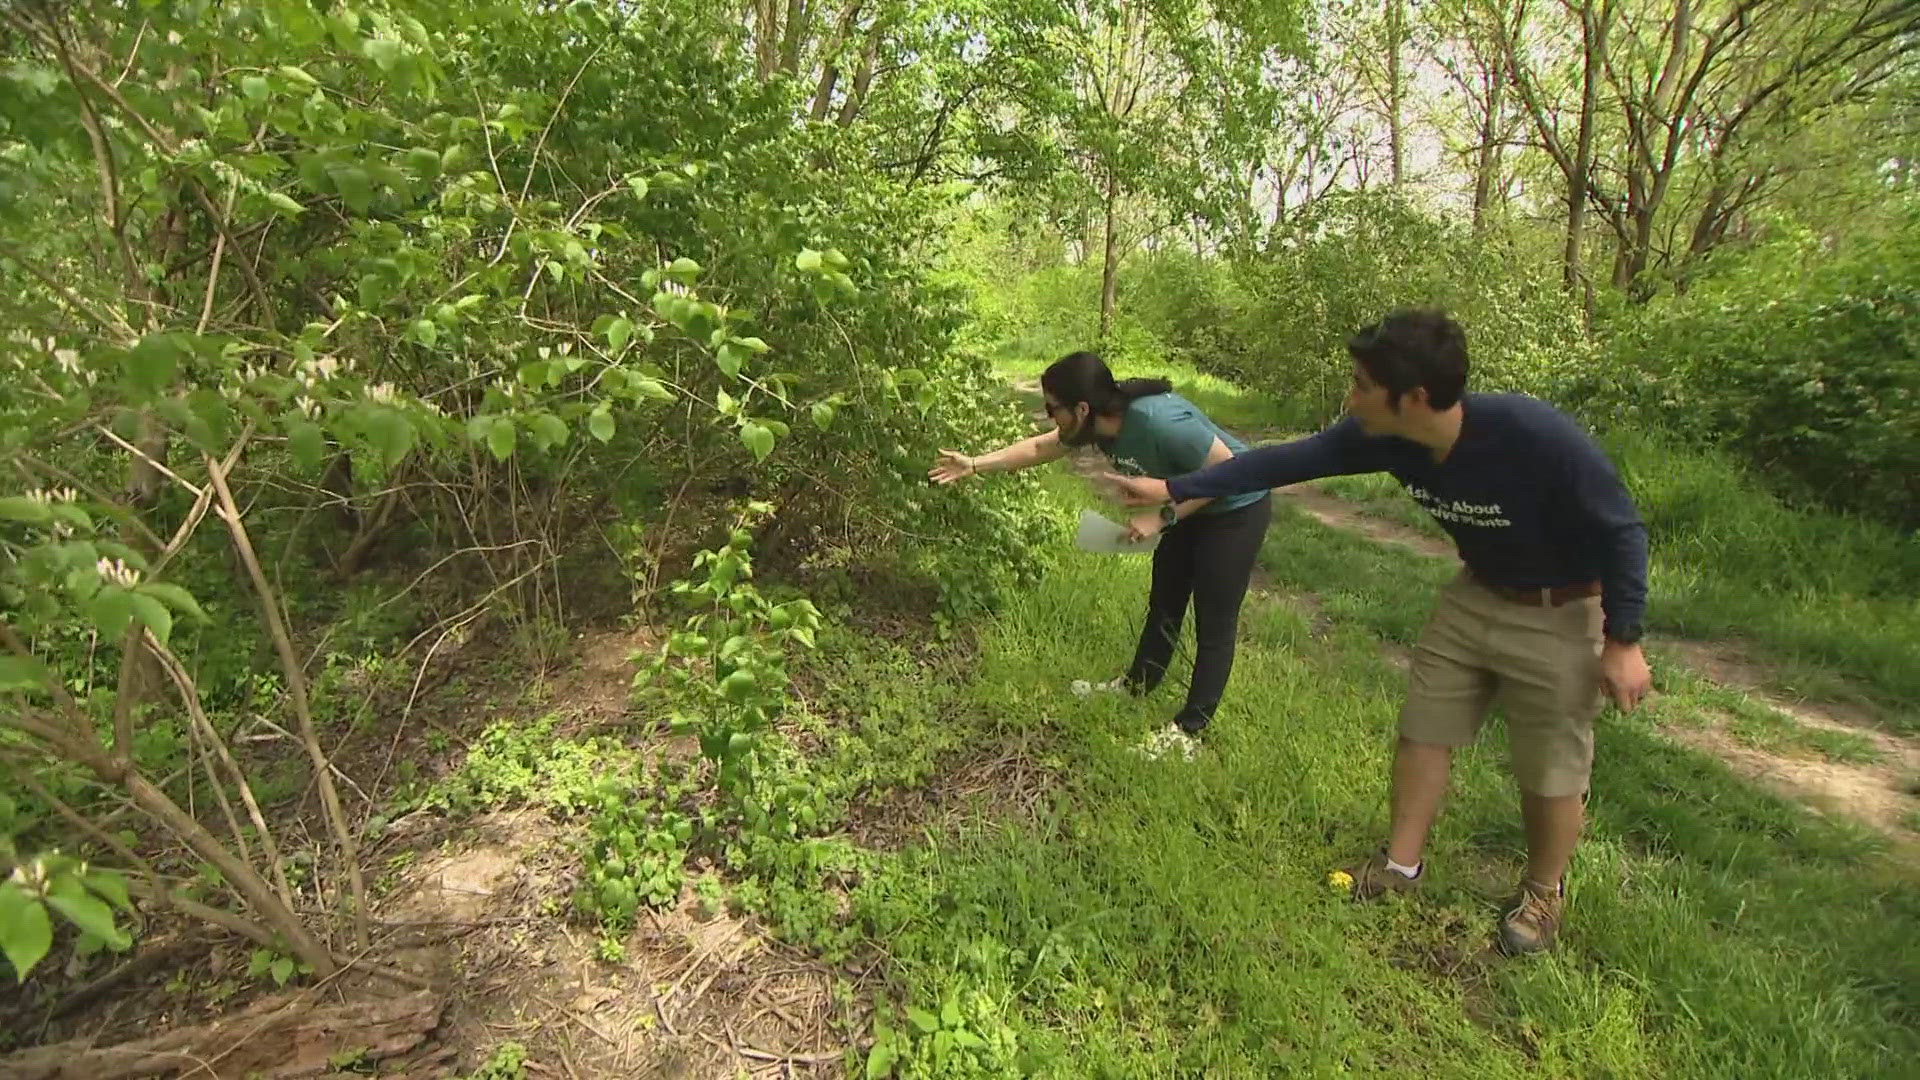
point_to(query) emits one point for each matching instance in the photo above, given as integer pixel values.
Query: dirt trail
(1884, 794)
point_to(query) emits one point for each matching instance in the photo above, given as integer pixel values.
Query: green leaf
(86, 912)
(285, 202)
(111, 886)
(173, 596)
(738, 686)
(822, 415)
(729, 359)
(21, 673)
(652, 388)
(638, 185)
(72, 515)
(111, 609)
(307, 443)
(924, 1020)
(255, 88)
(501, 438)
(723, 403)
(151, 364)
(212, 410)
(880, 1061)
(758, 438)
(385, 53)
(424, 162)
(950, 1013)
(425, 332)
(21, 508)
(600, 424)
(281, 969)
(683, 270)
(738, 743)
(390, 432)
(154, 614)
(618, 333)
(298, 75)
(548, 430)
(354, 187)
(752, 344)
(25, 931)
(808, 261)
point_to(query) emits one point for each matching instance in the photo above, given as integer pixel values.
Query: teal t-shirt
(1164, 436)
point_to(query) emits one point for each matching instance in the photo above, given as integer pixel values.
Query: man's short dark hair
(1414, 347)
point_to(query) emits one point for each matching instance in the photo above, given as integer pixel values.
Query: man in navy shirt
(1544, 617)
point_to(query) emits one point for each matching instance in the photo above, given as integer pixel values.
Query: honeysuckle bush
(459, 270)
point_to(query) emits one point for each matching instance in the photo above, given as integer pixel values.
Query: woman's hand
(1143, 527)
(952, 465)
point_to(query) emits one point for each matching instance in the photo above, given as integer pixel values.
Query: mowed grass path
(1172, 919)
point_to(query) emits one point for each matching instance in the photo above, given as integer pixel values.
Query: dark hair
(1083, 376)
(1414, 347)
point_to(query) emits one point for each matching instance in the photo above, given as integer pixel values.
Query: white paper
(1100, 534)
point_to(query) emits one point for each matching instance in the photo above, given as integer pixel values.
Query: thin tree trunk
(1593, 38)
(1396, 30)
(862, 80)
(1488, 167)
(1110, 265)
(798, 15)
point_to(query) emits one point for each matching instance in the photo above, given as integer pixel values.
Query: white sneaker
(1083, 688)
(1169, 740)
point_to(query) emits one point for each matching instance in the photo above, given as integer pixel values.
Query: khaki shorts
(1541, 665)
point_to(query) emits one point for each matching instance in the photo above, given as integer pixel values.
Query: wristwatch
(1168, 514)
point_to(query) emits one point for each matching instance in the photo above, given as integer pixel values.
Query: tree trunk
(862, 80)
(1110, 264)
(798, 15)
(1487, 169)
(766, 42)
(1593, 38)
(1396, 30)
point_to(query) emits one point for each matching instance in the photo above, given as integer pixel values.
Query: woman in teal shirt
(1207, 552)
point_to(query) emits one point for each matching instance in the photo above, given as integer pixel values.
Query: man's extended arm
(1340, 450)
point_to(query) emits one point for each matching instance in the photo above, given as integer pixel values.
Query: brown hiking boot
(1372, 878)
(1534, 921)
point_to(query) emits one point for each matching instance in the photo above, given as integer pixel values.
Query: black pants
(1207, 558)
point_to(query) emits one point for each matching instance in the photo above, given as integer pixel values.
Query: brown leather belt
(1544, 596)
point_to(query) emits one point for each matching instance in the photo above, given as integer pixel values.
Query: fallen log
(288, 1037)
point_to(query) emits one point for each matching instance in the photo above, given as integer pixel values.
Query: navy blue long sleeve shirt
(1529, 499)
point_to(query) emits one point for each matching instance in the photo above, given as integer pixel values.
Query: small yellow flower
(1340, 880)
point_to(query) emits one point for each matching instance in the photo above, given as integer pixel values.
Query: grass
(1163, 919)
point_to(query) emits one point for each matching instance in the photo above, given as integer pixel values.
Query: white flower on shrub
(68, 359)
(118, 572)
(382, 393)
(307, 405)
(44, 497)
